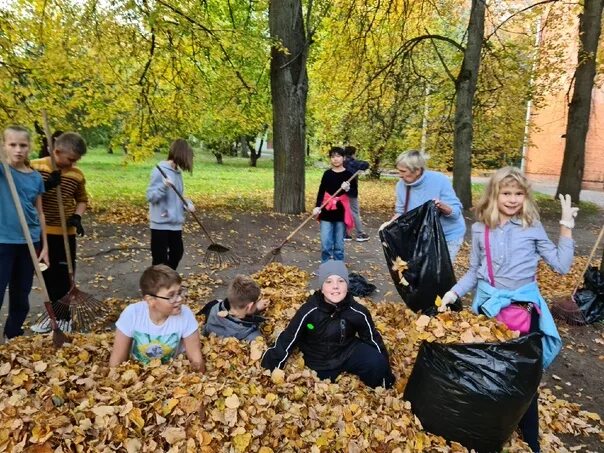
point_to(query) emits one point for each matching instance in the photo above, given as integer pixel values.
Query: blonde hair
(413, 159)
(486, 209)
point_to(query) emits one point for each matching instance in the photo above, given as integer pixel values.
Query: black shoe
(347, 238)
(362, 237)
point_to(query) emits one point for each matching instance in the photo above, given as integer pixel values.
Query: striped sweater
(73, 190)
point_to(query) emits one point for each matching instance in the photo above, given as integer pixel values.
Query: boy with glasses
(159, 326)
(237, 315)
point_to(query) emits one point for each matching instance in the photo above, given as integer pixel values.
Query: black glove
(54, 179)
(76, 221)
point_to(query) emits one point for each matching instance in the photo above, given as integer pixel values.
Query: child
(166, 211)
(335, 334)
(504, 274)
(159, 326)
(16, 267)
(237, 315)
(336, 216)
(68, 149)
(353, 165)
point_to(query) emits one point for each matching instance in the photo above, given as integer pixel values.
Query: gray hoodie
(166, 211)
(219, 322)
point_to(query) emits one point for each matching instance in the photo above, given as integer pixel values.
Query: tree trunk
(255, 155)
(579, 110)
(289, 88)
(464, 100)
(245, 148)
(218, 156)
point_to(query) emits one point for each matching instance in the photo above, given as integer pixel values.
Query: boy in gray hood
(237, 315)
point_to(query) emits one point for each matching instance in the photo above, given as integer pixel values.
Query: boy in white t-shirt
(159, 326)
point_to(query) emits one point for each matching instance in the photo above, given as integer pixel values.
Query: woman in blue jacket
(418, 185)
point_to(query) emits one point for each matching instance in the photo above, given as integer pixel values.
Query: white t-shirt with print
(150, 341)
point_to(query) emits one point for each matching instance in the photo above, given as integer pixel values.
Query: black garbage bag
(417, 237)
(359, 286)
(475, 394)
(590, 298)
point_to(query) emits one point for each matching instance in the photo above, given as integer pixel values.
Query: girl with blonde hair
(508, 241)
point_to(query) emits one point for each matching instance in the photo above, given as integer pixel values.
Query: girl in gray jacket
(166, 211)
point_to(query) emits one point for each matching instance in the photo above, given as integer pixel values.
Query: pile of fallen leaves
(70, 400)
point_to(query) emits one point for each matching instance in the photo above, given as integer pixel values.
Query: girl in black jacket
(335, 334)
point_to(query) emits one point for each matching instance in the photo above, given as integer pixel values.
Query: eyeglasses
(181, 295)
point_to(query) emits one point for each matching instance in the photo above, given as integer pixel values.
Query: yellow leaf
(232, 402)
(136, 417)
(241, 442)
(168, 405)
(278, 376)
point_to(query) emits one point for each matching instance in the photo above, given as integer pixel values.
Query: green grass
(112, 181)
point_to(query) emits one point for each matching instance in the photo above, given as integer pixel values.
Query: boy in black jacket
(335, 333)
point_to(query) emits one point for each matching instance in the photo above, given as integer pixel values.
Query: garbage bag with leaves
(475, 394)
(418, 259)
(590, 298)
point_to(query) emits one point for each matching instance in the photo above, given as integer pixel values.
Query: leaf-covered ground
(111, 259)
(69, 400)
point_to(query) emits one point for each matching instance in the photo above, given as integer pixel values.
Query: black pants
(367, 363)
(16, 272)
(166, 247)
(56, 276)
(529, 423)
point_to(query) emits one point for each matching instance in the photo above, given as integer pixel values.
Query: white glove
(190, 206)
(316, 211)
(345, 186)
(568, 212)
(449, 298)
(167, 182)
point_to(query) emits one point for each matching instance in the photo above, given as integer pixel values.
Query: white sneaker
(64, 325)
(42, 326)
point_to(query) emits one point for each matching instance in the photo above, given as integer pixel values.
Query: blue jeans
(16, 272)
(332, 240)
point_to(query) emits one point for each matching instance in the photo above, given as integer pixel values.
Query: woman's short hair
(412, 159)
(181, 154)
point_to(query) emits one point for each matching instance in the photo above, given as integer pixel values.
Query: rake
(58, 336)
(566, 308)
(84, 310)
(275, 254)
(215, 253)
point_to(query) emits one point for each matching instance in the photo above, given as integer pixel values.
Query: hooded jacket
(325, 333)
(219, 322)
(166, 211)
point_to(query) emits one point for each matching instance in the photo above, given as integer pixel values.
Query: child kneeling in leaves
(159, 326)
(236, 315)
(335, 333)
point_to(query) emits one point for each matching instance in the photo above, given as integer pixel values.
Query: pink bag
(515, 316)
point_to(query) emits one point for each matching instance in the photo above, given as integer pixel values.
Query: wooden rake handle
(591, 255)
(185, 203)
(49, 147)
(310, 217)
(30, 243)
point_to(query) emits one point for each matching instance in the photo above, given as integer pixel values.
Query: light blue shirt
(429, 186)
(166, 211)
(515, 254)
(29, 187)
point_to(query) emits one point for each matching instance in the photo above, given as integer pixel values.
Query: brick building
(543, 157)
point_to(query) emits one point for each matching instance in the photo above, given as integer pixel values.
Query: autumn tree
(289, 87)
(573, 163)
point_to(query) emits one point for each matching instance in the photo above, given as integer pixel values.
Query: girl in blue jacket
(508, 241)
(166, 211)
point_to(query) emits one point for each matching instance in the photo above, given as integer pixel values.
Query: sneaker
(362, 237)
(42, 326)
(347, 238)
(64, 325)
